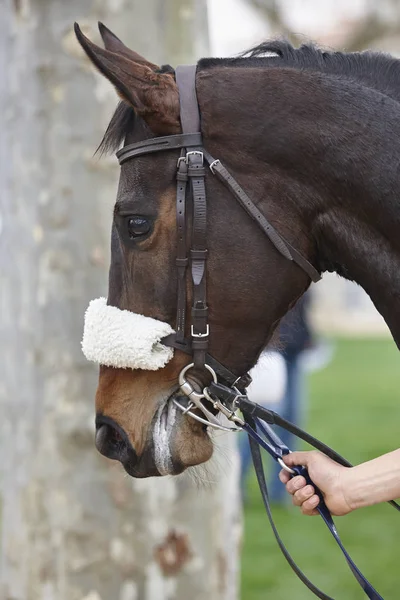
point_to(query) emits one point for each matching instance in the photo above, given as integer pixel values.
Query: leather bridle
(226, 392)
(191, 181)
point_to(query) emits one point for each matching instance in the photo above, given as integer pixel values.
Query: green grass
(355, 408)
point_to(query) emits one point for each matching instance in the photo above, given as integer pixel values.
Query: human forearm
(344, 488)
(375, 481)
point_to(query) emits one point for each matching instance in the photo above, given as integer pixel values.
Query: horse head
(250, 285)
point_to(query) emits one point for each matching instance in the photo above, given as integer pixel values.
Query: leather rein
(226, 392)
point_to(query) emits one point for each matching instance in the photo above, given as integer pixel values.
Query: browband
(168, 142)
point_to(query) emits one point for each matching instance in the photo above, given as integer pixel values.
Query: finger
(302, 495)
(296, 458)
(284, 476)
(309, 506)
(295, 484)
(311, 513)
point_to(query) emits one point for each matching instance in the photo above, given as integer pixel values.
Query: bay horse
(312, 138)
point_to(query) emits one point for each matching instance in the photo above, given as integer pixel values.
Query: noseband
(226, 392)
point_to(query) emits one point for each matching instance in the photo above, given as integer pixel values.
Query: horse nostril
(107, 440)
(113, 443)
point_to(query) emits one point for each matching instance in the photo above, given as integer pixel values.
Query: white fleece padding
(123, 339)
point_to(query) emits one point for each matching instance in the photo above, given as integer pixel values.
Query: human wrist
(349, 489)
(366, 485)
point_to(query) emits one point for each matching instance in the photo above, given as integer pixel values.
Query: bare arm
(344, 489)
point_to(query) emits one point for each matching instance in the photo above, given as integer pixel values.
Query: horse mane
(376, 70)
(378, 64)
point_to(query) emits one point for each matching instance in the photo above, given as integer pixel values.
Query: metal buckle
(185, 158)
(181, 159)
(200, 335)
(212, 165)
(247, 376)
(192, 152)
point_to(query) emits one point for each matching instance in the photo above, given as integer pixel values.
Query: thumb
(297, 459)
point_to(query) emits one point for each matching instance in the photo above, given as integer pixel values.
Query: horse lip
(144, 468)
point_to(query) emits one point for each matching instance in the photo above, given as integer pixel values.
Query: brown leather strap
(198, 257)
(185, 76)
(181, 249)
(169, 142)
(282, 245)
(190, 120)
(225, 376)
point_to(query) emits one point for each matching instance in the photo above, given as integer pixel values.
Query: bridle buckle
(194, 153)
(181, 159)
(213, 164)
(200, 335)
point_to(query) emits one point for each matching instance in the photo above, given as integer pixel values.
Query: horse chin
(176, 442)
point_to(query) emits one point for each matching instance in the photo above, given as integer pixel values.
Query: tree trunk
(74, 527)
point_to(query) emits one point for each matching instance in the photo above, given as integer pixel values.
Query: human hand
(326, 474)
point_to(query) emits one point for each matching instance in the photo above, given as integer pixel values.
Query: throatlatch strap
(282, 245)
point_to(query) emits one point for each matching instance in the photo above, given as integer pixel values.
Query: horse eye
(138, 226)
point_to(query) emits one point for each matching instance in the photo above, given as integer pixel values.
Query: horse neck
(358, 251)
(357, 222)
(325, 154)
(357, 226)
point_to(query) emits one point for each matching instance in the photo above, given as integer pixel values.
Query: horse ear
(154, 96)
(114, 44)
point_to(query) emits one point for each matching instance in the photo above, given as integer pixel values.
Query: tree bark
(73, 526)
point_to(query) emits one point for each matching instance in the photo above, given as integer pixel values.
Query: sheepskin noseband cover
(123, 339)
